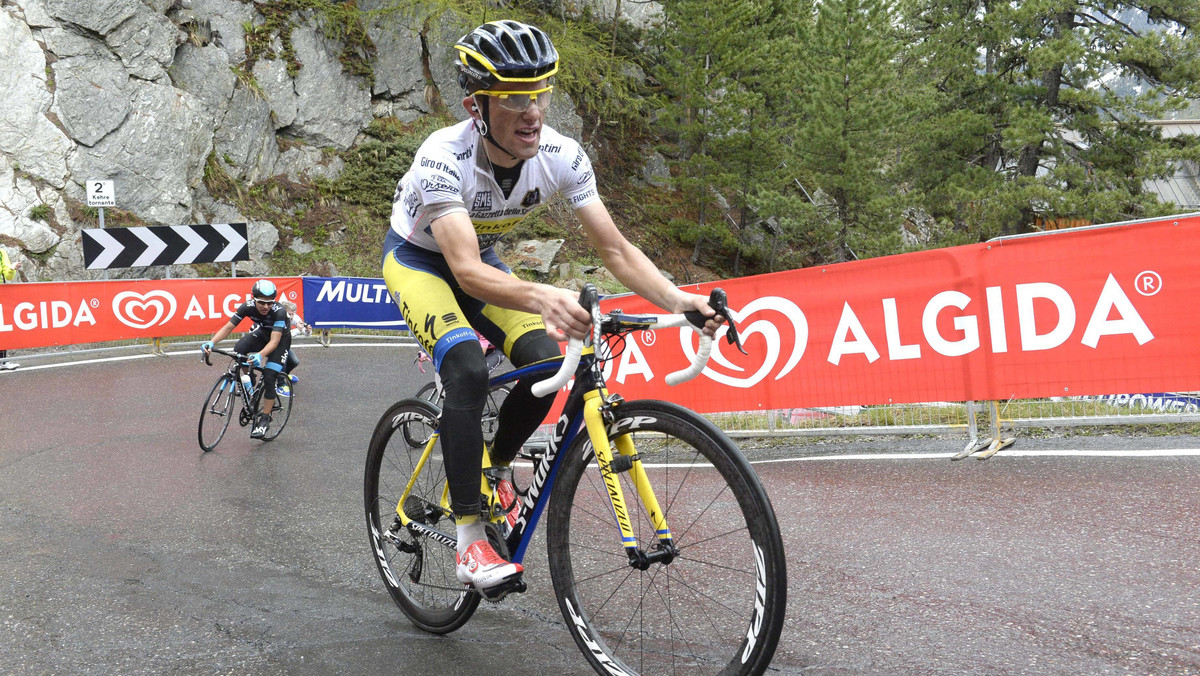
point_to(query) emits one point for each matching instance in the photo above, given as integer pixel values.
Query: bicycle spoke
(678, 628)
(686, 613)
(697, 519)
(696, 591)
(696, 543)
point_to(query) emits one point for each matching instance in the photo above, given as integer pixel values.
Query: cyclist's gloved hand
(206, 347)
(256, 359)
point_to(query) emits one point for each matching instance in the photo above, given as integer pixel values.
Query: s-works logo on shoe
(141, 311)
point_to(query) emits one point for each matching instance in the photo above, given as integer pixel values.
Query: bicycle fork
(597, 416)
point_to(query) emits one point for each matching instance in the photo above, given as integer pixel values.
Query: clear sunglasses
(519, 101)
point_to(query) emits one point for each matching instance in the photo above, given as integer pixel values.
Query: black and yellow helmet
(504, 51)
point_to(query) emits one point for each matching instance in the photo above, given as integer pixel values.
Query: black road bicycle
(664, 551)
(221, 404)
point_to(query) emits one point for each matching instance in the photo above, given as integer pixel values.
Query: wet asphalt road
(125, 550)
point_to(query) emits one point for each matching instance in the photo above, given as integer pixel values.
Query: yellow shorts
(439, 313)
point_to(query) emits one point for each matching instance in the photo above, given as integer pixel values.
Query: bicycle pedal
(499, 592)
(532, 453)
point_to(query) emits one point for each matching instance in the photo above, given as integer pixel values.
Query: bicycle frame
(234, 371)
(584, 409)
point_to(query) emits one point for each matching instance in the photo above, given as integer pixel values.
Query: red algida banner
(1092, 311)
(1083, 312)
(68, 313)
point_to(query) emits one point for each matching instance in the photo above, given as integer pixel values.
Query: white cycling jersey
(451, 173)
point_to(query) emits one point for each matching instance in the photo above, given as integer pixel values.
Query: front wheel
(217, 412)
(282, 410)
(715, 605)
(417, 569)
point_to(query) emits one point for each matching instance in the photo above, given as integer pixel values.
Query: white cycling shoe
(482, 566)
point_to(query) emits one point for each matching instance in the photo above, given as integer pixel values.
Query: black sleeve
(279, 319)
(239, 314)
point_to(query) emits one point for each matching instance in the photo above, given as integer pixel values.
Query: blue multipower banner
(350, 303)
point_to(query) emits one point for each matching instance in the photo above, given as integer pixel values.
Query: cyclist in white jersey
(468, 185)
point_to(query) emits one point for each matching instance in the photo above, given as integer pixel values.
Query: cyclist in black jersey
(267, 344)
(468, 185)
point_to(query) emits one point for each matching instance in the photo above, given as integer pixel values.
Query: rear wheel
(217, 412)
(491, 411)
(418, 570)
(430, 394)
(711, 601)
(418, 434)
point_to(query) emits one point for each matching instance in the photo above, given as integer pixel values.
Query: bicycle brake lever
(717, 301)
(589, 299)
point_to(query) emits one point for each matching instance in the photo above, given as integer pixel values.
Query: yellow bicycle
(664, 551)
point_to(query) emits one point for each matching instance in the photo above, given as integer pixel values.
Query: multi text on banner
(350, 302)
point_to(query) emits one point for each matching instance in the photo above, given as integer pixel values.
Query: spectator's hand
(206, 346)
(256, 358)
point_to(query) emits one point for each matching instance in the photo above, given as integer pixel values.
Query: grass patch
(339, 20)
(41, 212)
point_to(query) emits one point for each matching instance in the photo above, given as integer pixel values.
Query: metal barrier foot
(973, 429)
(972, 447)
(998, 442)
(996, 445)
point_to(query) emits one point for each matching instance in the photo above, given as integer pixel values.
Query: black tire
(428, 393)
(281, 411)
(418, 434)
(721, 598)
(420, 580)
(220, 406)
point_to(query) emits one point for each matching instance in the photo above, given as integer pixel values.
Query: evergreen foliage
(1039, 110)
(803, 132)
(849, 109)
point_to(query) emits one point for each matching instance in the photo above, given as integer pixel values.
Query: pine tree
(720, 70)
(1041, 109)
(848, 110)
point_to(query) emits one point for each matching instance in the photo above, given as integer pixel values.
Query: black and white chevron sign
(106, 248)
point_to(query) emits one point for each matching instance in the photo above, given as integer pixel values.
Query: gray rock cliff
(148, 93)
